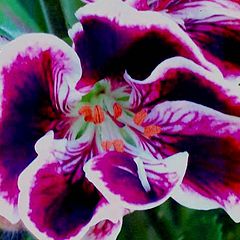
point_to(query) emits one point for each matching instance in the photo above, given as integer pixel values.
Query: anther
(118, 145)
(139, 117)
(106, 145)
(117, 110)
(98, 114)
(151, 130)
(86, 112)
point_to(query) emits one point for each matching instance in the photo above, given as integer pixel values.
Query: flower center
(115, 126)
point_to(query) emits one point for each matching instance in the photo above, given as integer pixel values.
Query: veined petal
(130, 40)
(104, 230)
(53, 204)
(212, 140)
(133, 184)
(174, 5)
(214, 26)
(35, 92)
(172, 80)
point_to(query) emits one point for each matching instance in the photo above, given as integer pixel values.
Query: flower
(211, 180)
(112, 121)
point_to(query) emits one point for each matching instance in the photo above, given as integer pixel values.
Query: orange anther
(98, 114)
(117, 110)
(106, 145)
(139, 117)
(151, 130)
(86, 112)
(118, 145)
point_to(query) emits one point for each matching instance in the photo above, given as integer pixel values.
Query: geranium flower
(109, 144)
(212, 178)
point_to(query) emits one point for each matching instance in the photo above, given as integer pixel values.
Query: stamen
(106, 145)
(86, 111)
(117, 109)
(98, 114)
(139, 117)
(151, 130)
(118, 145)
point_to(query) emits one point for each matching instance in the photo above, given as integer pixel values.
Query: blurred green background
(169, 221)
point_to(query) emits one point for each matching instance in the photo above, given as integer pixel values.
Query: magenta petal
(130, 182)
(51, 204)
(172, 80)
(212, 140)
(214, 26)
(130, 40)
(34, 90)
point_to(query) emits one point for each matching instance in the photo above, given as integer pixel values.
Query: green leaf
(136, 226)
(33, 8)
(69, 8)
(54, 18)
(28, 236)
(202, 225)
(14, 19)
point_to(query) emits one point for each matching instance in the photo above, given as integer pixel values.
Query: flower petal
(212, 140)
(104, 230)
(54, 205)
(135, 185)
(113, 37)
(172, 80)
(214, 26)
(35, 70)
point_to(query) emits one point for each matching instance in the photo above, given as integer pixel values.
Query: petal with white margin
(52, 204)
(35, 92)
(212, 140)
(128, 181)
(173, 78)
(112, 37)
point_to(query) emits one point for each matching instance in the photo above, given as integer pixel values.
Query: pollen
(151, 130)
(106, 145)
(139, 117)
(86, 112)
(118, 145)
(98, 114)
(117, 110)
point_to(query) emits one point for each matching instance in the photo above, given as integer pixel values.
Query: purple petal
(113, 37)
(172, 80)
(130, 182)
(54, 205)
(34, 93)
(214, 26)
(212, 140)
